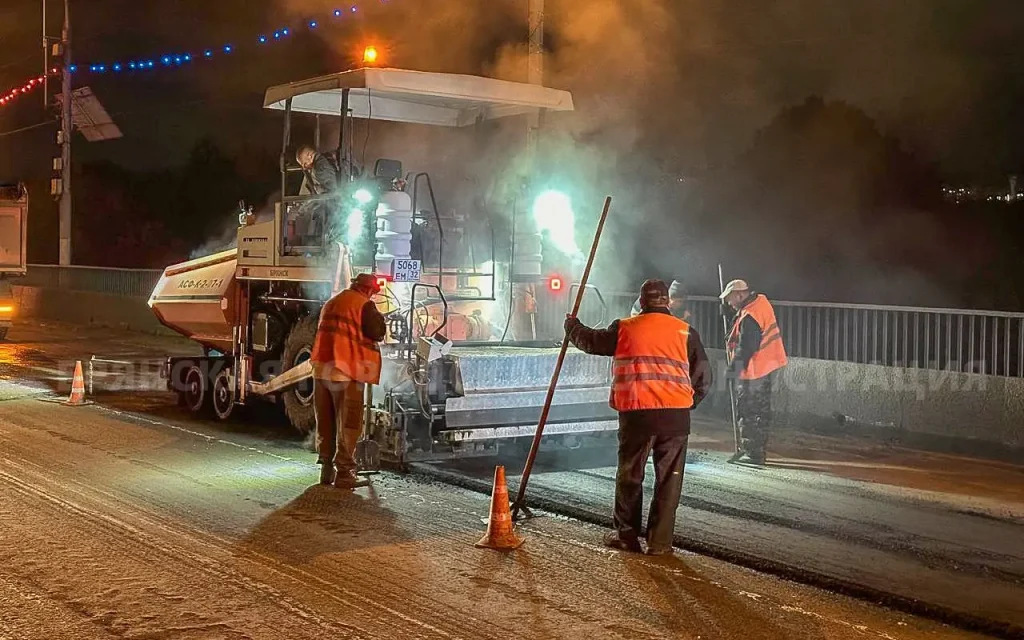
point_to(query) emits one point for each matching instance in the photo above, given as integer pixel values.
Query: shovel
(367, 453)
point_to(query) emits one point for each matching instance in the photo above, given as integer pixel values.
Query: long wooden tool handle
(525, 479)
(728, 361)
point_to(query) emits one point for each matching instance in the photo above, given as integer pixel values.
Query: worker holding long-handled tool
(755, 353)
(660, 373)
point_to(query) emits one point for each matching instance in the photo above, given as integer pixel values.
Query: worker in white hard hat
(676, 302)
(755, 352)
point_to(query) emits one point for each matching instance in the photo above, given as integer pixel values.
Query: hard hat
(675, 290)
(366, 282)
(735, 285)
(654, 293)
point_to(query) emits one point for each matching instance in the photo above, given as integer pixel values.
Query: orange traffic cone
(500, 534)
(77, 396)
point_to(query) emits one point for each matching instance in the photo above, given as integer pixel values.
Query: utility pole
(65, 142)
(527, 261)
(535, 67)
(46, 62)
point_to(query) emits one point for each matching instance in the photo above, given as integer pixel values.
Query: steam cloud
(227, 237)
(666, 92)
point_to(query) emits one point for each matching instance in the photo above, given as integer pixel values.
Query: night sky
(699, 78)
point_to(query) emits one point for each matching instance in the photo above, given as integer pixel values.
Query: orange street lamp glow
(370, 55)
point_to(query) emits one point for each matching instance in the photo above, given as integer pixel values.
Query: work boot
(659, 551)
(612, 540)
(349, 480)
(755, 458)
(327, 473)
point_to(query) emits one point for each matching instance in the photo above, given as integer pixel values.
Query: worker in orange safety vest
(659, 374)
(755, 353)
(345, 358)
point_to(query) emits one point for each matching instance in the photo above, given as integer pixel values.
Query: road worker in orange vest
(659, 374)
(346, 357)
(755, 353)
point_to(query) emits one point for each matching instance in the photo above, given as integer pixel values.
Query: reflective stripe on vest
(341, 351)
(771, 354)
(651, 369)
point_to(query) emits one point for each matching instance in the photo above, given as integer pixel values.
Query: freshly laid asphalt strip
(947, 615)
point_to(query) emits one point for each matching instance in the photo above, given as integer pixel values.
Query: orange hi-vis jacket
(771, 355)
(651, 369)
(341, 351)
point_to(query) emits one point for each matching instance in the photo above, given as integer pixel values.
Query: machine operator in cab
(320, 175)
(755, 352)
(346, 356)
(660, 373)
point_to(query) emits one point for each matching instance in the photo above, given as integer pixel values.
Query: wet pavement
(158, 521)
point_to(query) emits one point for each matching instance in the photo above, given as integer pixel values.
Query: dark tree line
(149, 219)
(823, 205)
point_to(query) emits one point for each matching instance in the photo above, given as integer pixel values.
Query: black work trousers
(669, 459)
(754, 413)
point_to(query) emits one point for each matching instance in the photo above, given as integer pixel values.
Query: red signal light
(555, 283)
(382, 282)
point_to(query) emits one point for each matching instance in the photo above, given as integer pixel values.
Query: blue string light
(208, 54)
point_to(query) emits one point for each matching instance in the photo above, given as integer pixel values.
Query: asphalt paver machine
(465, 365)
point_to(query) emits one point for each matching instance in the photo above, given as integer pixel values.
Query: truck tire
(222, 395)
(298, 401)
(195, 395)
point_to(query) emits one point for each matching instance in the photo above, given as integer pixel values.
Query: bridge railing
(132, 283)
(962, 340)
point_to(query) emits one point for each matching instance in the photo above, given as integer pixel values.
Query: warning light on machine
(382, 282)
(363, 196)
(370, 55)
(555, 283)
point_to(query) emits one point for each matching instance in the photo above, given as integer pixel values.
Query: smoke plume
(227, 236)
(667, 95)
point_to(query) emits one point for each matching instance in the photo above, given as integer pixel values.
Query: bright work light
(552, 211)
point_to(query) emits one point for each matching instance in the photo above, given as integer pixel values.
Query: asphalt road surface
(128, 518)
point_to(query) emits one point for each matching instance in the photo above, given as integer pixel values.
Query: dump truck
(472, 337)
(13, 247)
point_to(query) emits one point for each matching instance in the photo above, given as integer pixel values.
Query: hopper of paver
(198, 299)
(505, 388)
